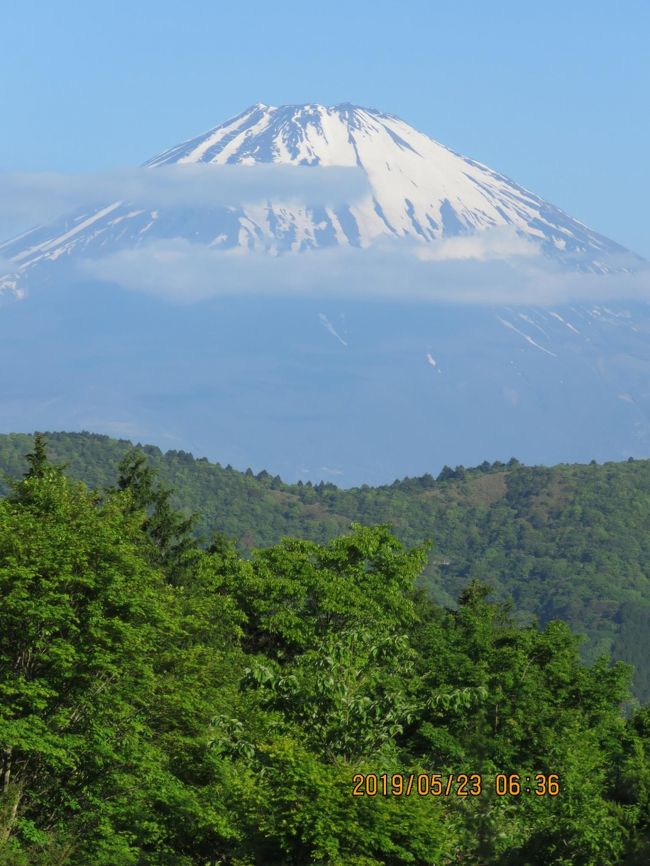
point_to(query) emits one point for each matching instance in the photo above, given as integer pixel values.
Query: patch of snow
(564, 322)
(530, 321)
(331, 471)
(325, 322)
(526, 337)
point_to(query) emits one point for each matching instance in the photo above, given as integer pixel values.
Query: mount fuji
(316, 385)
(417, 190)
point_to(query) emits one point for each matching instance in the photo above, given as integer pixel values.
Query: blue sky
(554, 94)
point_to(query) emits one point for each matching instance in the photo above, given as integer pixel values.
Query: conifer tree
(170, 531)
(37, 459)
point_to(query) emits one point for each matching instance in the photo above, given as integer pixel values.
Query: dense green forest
(169, 703)
(568, 542)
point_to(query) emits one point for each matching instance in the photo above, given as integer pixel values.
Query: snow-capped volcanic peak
(418, 190)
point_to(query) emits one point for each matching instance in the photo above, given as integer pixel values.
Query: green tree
(37, 459)
(170, 532)
(108, 681)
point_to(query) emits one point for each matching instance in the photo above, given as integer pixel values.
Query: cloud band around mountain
(30, 198)
(492, 267)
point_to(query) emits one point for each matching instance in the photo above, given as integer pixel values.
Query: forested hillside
(167, 704)
(568, 542)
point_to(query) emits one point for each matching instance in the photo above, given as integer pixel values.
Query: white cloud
(498, 243)
(27, 199)
(184, 272)
(496, 266)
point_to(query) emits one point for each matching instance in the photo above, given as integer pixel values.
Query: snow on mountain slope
(419, 190)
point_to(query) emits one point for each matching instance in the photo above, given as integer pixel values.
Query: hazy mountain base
(262, 382)
(568, 542)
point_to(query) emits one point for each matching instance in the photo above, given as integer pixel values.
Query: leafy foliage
(569, 543)
(164, 704)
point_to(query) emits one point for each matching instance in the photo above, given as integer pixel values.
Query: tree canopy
(216, 708)
(568, 542)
